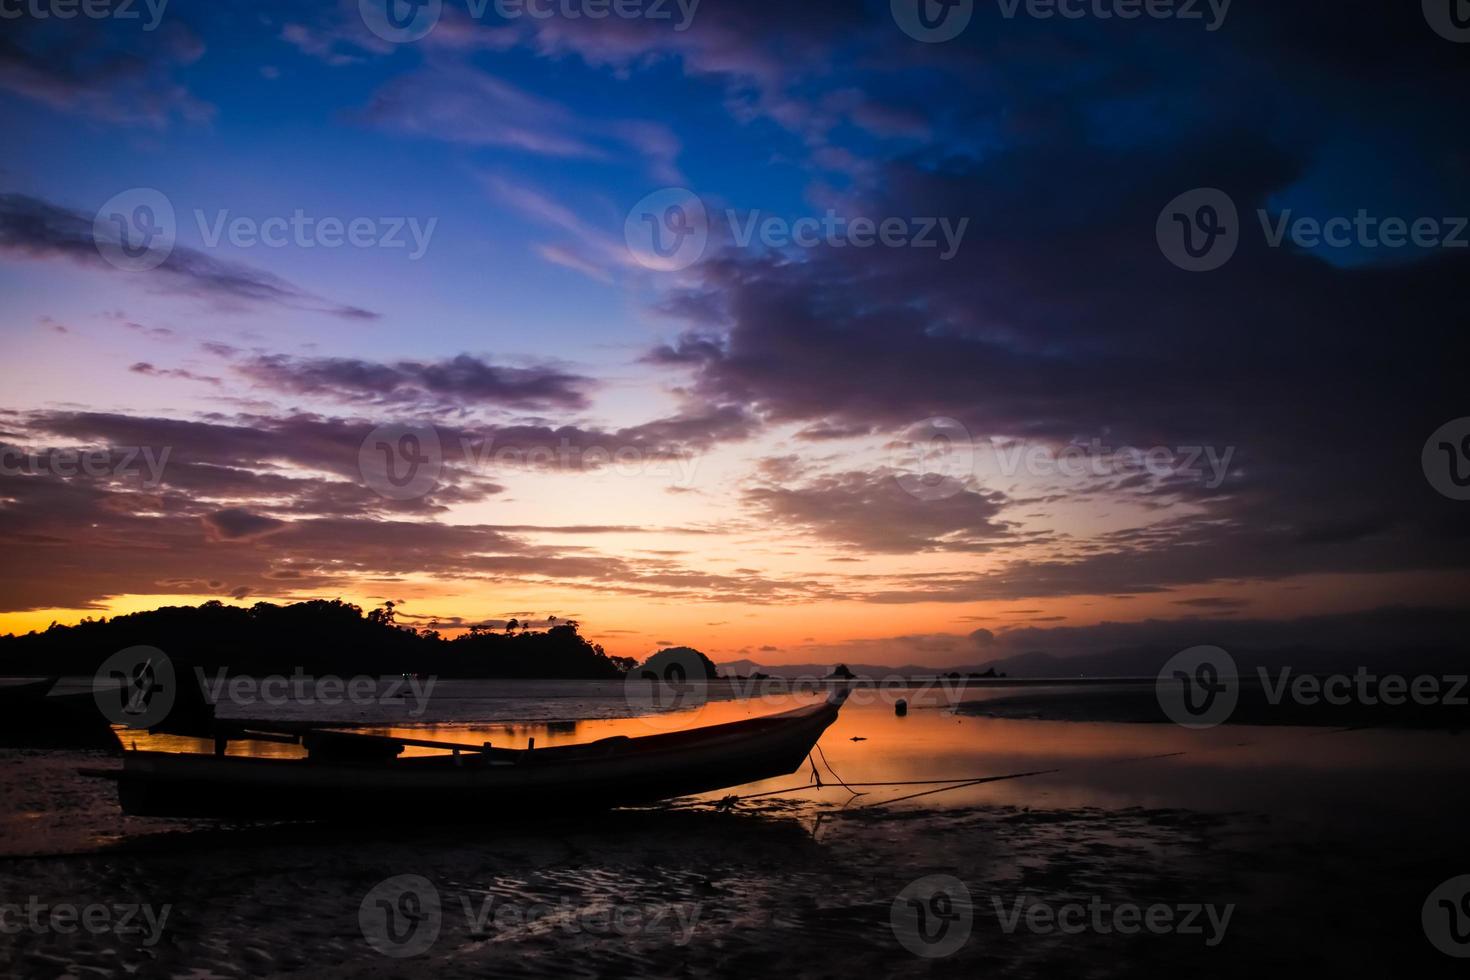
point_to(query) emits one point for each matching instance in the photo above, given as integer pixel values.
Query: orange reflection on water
(1330, 774)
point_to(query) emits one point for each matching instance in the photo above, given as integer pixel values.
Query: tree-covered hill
(317, 637)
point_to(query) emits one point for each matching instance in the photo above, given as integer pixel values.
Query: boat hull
(613, 772)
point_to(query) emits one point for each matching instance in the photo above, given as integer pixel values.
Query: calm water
(1364, 777)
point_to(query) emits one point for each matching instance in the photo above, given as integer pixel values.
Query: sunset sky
(730, 454)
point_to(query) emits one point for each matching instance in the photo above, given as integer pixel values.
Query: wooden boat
(359, 777)
(33, 716)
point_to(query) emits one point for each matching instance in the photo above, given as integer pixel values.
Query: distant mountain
(679, 661)
(1146, 662)
(744, 668)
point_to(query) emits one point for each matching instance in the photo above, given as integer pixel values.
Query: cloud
(874, 512)
(457, 103)
(1059, 320)
(461, 380)
(277, 505)
(235, 523)
(35, 229)
(109, 72)
(145, 368)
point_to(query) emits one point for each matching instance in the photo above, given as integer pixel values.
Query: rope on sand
(946, 785)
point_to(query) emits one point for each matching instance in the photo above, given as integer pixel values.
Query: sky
(791, 332)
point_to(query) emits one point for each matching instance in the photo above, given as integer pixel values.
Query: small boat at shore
(359, 777)
(34, 715)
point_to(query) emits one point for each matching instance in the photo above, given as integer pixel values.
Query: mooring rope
(959, 782)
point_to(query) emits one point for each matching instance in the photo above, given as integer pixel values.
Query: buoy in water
(901, 707)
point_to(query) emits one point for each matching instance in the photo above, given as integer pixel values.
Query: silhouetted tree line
(317, 637)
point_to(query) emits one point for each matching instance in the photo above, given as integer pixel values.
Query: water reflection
(1315, 774)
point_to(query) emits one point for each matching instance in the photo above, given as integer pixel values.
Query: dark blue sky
(1055, 151)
